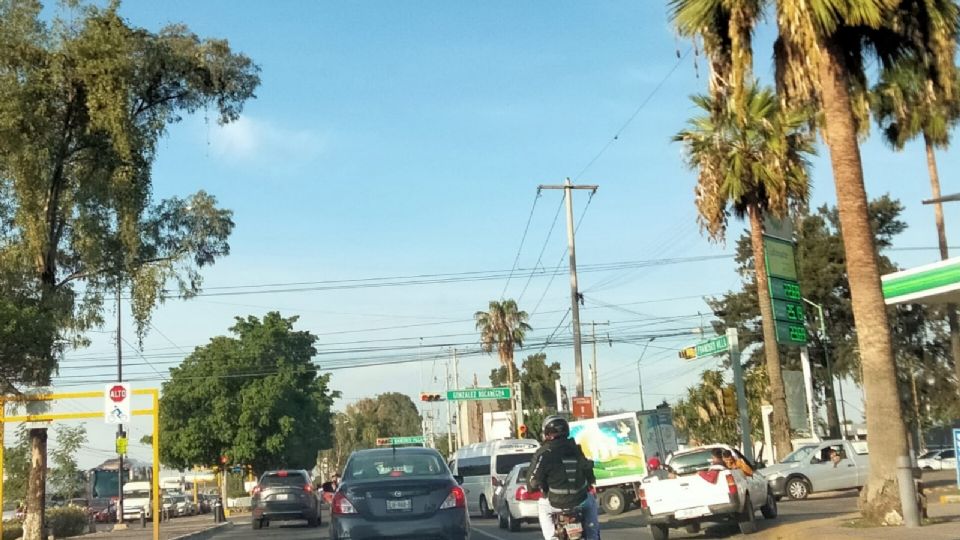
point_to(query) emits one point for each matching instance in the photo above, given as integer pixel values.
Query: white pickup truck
(701, 493)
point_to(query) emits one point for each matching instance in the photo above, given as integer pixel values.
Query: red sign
(118, 393)
(582, 407)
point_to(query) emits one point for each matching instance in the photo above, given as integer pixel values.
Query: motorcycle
(568, 524)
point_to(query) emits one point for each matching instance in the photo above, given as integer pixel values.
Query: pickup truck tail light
(642, 495)
(731, 484)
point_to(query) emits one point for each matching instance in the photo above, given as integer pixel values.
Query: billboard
(613, 443)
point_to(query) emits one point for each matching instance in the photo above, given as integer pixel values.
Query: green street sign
(791, 333)
(713, 346)
(785, 289)
(474, 394)
(784, 310)
(397, 441)
(780, 259)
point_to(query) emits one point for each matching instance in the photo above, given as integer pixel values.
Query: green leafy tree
(16, 468)
(822, 52)
(824, 280)
(255, 397)
(84, 100)
(537, 381)
(503, 327)
(907, 104)
(704, 417)
(66, 477)
(391, 414)
(751, 165)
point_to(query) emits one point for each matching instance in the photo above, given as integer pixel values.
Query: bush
(12, 530)
(67, 521)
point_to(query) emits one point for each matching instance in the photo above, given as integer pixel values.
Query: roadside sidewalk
(187, 528)
(944, 524)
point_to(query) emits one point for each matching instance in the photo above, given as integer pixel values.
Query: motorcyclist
(561, 471)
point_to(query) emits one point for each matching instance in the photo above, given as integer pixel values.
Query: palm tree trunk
(778, 398)
(944, 250)
(882, 397)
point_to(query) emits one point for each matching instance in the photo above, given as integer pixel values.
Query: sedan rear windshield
(282, 480)
(400, 464)
(506, 462)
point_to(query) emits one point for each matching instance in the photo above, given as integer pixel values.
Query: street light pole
(640, 373)
(826, 356)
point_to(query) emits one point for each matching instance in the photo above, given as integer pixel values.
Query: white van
(136, 499)
(484, 465)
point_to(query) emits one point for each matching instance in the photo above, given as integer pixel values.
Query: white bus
(484, 465)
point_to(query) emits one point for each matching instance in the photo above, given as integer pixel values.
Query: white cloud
(254, 140)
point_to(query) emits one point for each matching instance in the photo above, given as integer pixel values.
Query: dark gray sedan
(398, 493)
(283, 496)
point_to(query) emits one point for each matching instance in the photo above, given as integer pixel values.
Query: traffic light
(688, 353)
(522, 431)
(729, 401)
(426, 396)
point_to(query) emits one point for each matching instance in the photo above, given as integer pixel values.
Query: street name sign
(711, 347)
(475, 394)
(396, 441)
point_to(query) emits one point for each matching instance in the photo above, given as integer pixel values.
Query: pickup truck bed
(705, 495)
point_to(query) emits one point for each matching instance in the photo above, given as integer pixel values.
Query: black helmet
(556, 427)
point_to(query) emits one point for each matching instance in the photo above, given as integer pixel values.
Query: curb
(205, 533)
(801, 530)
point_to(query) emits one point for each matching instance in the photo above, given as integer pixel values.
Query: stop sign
(118, 393)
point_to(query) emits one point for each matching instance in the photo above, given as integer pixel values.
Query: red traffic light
(522, 430)
(426, 396)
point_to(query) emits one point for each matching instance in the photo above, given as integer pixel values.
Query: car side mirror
(496, 481)
(458, 479)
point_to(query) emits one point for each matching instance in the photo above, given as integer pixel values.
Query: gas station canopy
(936, 283)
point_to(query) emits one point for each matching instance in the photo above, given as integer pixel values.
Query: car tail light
(731, 484)
(308, 488)
(341, 505)
(257, 490)
(282, 474)
(523, 494)
(456, 499)
(642, 495)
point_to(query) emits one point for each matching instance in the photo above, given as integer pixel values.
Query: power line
(556, 269)
(543, 248)
(523, 239)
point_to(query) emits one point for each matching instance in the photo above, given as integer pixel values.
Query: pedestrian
(655, 470)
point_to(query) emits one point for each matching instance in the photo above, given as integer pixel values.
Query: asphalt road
(627, 526)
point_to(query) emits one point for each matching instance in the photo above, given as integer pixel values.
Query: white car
(513, 501)
(938, 460)
(701, 493)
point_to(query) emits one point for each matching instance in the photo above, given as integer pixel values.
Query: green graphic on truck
(614, 445)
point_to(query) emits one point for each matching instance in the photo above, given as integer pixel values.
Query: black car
(398, 493)
(284, 495)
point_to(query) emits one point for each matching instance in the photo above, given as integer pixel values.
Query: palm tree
(821, 53)
(752, 164)
(503, 326)
(906, 105)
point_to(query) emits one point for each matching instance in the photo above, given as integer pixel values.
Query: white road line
(488, 535)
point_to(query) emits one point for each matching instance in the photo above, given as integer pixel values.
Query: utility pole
(568, 188)
(829, 365)
(120, 432)
(595, 389)
(449, 414)
(463, 420)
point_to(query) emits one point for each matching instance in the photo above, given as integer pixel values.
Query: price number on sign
(795, 312)
(792, 291)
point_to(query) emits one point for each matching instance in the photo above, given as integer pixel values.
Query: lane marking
(485, 533)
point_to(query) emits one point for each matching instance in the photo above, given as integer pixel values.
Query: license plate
(399, 505)
(688, 513)
(573, 529)
(282, 496)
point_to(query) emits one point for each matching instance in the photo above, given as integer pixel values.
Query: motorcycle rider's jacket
(562, 472)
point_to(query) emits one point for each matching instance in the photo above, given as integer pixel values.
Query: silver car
(514, 503)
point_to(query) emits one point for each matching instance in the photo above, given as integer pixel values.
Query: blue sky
(404, 138)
